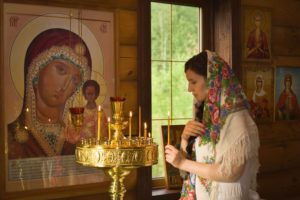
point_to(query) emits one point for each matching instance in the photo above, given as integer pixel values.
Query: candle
(145, 130)
(149, 134)
(140, 117)
(109, 133)
(99, 123)
(130, 117)
(169, 127)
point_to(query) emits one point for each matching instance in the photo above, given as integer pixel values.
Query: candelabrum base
(117, 189)
(118, 158)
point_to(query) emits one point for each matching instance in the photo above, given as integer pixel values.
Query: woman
(56, 65)
(226, 144)
(91, 91)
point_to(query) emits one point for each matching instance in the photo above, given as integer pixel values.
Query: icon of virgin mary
(57, 63)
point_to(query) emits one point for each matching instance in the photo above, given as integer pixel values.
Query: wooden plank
(128, 51)
(270, 185)
(2, 114)
(286, 13)
(127, 4)
(258, 3)
(279, 185)
(292, 186)
(128, 69)
(287, 61)
(128, 89)
(223, 30)
(87, 4)
(127, 27)
(292, 155)
(271, 157)
(285, 41)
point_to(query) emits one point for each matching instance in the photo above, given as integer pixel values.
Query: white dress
(238, 142)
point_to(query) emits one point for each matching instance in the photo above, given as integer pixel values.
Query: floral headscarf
(225, 95)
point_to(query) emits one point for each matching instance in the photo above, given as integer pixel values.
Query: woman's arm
(207, 171)
(192, 128)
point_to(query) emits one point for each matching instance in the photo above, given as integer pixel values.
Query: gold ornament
(118, 155)
(21, 135)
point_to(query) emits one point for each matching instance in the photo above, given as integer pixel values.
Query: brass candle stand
(117, 155)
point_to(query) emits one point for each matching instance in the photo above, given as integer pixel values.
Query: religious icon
(49, 55)
(259, 90)
(287, 93)
(257, 34)
(39, 129)
(172, 178)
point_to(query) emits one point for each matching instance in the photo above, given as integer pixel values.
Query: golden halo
(103, 87)
(38, 25)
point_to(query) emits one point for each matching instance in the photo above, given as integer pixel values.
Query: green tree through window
(175, 37)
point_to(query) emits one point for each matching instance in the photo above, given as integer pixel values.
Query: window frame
(144, 69)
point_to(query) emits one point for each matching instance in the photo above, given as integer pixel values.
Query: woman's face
(57, 82)
(90, 93)
(288, 83)
(257, 21)
(196, 85)
(259, 83)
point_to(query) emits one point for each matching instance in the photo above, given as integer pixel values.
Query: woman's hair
(91, 83)
(197, 64)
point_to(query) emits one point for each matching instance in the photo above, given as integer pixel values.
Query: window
(175, 37)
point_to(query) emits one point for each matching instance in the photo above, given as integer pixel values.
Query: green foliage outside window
(175, 33)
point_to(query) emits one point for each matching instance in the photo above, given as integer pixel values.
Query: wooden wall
(279, 176)
(2, 159)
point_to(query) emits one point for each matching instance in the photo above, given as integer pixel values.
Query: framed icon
(172, 178)
(287, 93)
(256, 34)
(259, 89)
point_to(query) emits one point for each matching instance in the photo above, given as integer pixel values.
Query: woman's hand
(192, 128)
(174, 156)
